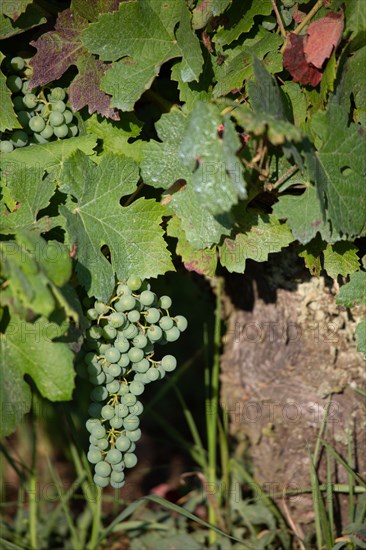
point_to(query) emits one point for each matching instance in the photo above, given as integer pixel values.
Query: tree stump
(288, 349)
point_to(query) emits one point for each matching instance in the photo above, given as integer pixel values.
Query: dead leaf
(295, 62)
(323, 36)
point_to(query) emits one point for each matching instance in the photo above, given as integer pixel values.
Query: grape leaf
(352, 88)
(162, 167)
(35, 271)
(116, 135)
(91, 9)
(339, 168)
(240, 19)
(32, 193)
(85, 88)
(201, 227)
(206, 9)
(47, 157)
(295, 62)
(8, 118)
(202, 261)
(28, 348)
(353, 293)
(355, 11)
(141, 36)
(217, 175)
(32, 17)
(59, 49)
(311, 253)
(323, 36)
(341, 259)
(132, 234)
(15, 394)
(304, 215)
(14, 8)
(192, 92)
(260, 235)
(238, 64)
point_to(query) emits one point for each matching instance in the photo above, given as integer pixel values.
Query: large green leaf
(163, 166)
(28, 348)
(132, 234)
(217, 173)
(142, 36)
(339, 169)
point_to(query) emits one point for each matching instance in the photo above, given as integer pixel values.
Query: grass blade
(341, 461)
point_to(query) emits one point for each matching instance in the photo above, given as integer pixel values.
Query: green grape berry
(58, 94)
(56, 119)
(61, 131)
(17, 63)
(19, 138)
(37, 124)
(147, 298)
(165, 302)
(47, 132)
(14, 83)
(134, 283)
(181, 322)
(6, 146)
(103, 469)
(169, 363)
(30, 101)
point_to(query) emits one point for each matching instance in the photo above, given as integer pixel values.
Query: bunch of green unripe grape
(43, 113)
(120, 362)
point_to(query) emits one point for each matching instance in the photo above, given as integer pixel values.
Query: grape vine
(120, 362)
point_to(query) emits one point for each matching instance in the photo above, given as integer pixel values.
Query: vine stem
(285, 176)
(279, 19)
(305, 21)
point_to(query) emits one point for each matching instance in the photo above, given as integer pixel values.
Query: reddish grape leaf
(323, 36)
(59, 49)
(85, 88)
(91, 9)
(295, 62)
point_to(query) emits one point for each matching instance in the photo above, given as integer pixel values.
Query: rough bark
(287, 350)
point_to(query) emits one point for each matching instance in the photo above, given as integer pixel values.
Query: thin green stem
(97, 521)
(32, 488)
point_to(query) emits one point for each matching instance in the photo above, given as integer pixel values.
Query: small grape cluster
(43, 113)
(120, 364)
